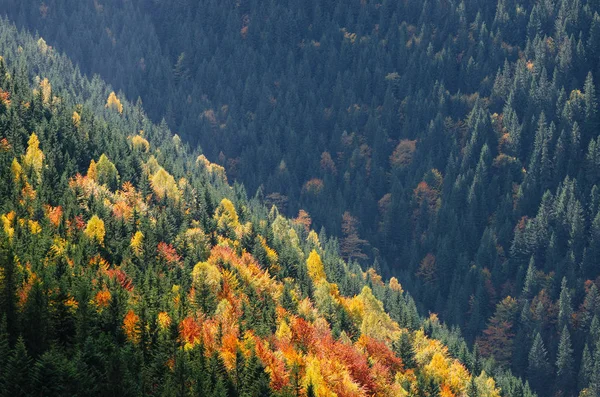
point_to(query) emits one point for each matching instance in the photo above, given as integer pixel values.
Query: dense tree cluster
(128, 266)
(453, 144)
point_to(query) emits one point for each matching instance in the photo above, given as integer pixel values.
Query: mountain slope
(129, 266)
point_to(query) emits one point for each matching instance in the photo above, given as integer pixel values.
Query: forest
(425, 170)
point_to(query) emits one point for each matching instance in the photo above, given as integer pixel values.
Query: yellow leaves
(113, 103)
(437, 367)
(315, 267)
(426, 348)
(46, 91)
(34, 157)
(58, 247)
(136, 243)
(72, 304)
(164, 185)
(76, 119)
(395, 285)
(486, 387)
(95, 230)
(283, 331)
(376, 323)
(131, 327)
(34, 227)
(208, 274)
(213, 169)
(7, 223)
(227, 218)
(92, 171)
(16, 169)
(140, 143)
(164, 321)
(315, 378)
(313, 240)
(42, 46)
(368, 313)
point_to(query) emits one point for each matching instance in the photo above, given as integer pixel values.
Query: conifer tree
(538, 369)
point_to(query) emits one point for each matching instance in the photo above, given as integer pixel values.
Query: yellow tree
(76, 119)
(164, 185)
(95, 230)
(34, 157)
(227, 218)
(315, 267)
(114, 103)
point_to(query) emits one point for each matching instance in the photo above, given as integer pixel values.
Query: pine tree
(16, 377)
(585, 368)
(404, 348)
(565, 309)
(472, 388)
(538, 369)
(564, 361)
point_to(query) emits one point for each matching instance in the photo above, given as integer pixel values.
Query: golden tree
(315, 267)
(114, 103)
(95, 230)
(34, 157)
(164, 185)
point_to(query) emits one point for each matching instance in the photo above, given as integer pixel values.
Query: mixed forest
(452, 145)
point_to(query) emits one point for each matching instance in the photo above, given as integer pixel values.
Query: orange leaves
(102, 298)
(189, 332)
(313, 186)
(167, 253)
(4, 98)
(5, 146)
(302, 333)
(304, 220)
(113, 103)
(54, 214)
(381, 353)
(122, 210)
(424, 192)
(131, 327)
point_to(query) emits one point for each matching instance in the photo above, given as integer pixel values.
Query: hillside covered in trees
(129, 266)
(453, 145)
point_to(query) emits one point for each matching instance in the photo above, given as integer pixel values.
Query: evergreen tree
(564, 361)
(538, 369)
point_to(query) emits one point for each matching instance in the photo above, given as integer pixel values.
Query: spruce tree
(538, 369)
(565, 361)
